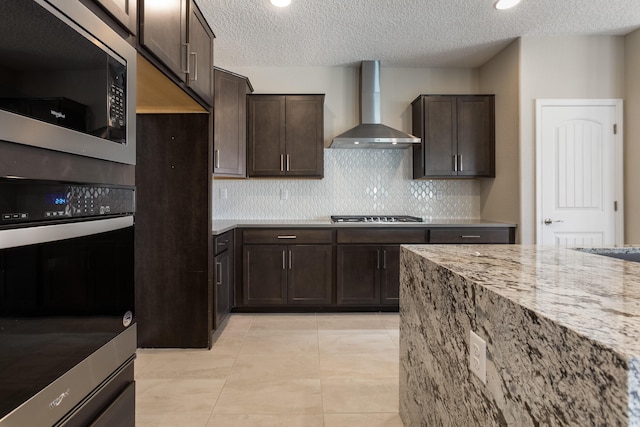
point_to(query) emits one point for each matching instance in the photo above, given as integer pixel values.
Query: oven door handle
(50, 233)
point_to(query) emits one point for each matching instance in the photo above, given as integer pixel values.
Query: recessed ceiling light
(505, 4)
(281, 3)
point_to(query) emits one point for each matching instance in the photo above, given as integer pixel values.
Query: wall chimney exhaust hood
(371, 133)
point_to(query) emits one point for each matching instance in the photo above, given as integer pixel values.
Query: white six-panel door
(579, 167)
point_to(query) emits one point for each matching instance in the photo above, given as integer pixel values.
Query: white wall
(564, 68)
(500, 196)
(632, 137)
(356, 181)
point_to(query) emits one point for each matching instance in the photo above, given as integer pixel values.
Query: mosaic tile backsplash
(356, 182)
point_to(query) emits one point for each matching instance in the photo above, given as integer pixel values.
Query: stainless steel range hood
(371, 133)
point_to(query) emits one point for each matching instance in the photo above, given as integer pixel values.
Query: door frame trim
(618, 139)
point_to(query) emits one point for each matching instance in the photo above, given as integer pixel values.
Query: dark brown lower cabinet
(368, 275)
(287, 275)
(223, 285)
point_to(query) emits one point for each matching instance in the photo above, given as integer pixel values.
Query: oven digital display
(56, 199)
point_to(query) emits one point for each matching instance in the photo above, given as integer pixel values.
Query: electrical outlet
(223, 193)
(478, 356)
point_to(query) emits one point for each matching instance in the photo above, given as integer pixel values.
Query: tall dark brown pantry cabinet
(458, 136)
(173, 244)
(286, 136)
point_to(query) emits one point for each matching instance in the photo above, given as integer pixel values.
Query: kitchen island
(562, 332)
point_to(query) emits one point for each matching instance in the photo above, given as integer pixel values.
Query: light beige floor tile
(284, 322)
(171, 420)
(174, 396)
(355, 343)
(390, 320)
(363, 420)
(381, 364)
(204, 364)
(278, 397)
(349, 321)
(360, 395)
(260, 420)
(270, 367)
(395, 337)
(281, 343)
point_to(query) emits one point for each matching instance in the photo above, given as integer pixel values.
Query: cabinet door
(200, 66)
(476, 139)
(358, 278)
(223, 282)
(304, 136)
(310, 272)
(390, 275)
(266, 139)
(163, 31)
(230, 125)
(124, 11)
(435, 154)
(264, 277)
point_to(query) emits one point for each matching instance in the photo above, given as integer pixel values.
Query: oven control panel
(27, 201)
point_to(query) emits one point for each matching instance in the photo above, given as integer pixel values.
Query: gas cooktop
(375, 218)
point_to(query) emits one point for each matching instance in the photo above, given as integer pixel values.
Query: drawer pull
(469, 237)
(225, 242)
(218, 273)
(288, 236)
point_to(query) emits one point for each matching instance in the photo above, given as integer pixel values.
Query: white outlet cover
(478, 356)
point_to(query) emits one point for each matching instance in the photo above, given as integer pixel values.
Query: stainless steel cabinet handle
(378, 259)
(384, 259)
(469, 237)
(217, 158)
(290, 261)
(223, 243)
(288, 163)
(218, 273)
(460, 166)
(187, 49)
(284, 260)
(281, 162)
(287, 236)
(549, 221)
(455, 163)
(195, 66)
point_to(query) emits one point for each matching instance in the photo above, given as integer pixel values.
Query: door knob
(549, 221)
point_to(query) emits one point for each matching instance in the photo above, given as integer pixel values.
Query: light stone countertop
(223, 225)
(594, 295)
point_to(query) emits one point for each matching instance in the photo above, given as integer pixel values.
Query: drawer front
(284, 236)
(381, 236)
(469, 235)
(222, 242)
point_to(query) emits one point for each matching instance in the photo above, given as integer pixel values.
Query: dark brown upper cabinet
(286, 136)
(200, 61)
(176, 33)
(230, 123)
(458, 136)
(123, 11)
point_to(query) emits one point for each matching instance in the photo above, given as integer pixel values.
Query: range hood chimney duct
(371, 133)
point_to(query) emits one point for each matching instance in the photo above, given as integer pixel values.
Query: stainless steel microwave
(67, 81)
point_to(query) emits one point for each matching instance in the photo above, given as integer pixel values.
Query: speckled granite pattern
(562, 329)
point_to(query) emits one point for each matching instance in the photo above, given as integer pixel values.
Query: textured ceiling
(403, 33)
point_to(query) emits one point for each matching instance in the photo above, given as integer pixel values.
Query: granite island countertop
(562, 329)
(223, 225)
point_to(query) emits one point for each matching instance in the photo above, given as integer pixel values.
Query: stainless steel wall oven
(67, 205)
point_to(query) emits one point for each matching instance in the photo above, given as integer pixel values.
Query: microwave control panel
(26, 201)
